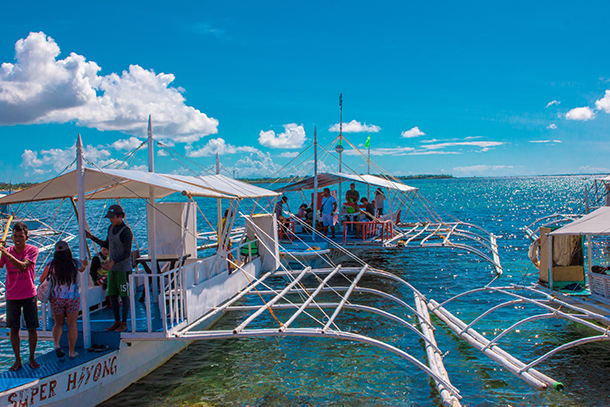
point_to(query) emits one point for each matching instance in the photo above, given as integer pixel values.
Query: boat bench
(599, 284)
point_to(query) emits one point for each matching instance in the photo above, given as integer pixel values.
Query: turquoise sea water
(311, 372)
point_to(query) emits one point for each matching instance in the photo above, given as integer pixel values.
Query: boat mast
(339, 148)
(82, 241)
(315, 182)
(368, 168)
(219, 205)
(152, 223)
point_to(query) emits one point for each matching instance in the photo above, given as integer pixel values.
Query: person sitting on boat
(367, 215)
(20, 262)
(65, 295)
(329, 208)
(99, 276)
(379, 198)
(119, 242)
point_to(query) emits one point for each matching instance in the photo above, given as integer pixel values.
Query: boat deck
(50, 364)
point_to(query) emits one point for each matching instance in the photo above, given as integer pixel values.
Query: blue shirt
(327, 205)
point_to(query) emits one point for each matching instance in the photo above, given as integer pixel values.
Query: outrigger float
(569, 287)
(186, 296)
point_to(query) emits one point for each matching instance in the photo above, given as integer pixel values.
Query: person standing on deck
(352, 195)
(65, 295)
(20, 262)
(329, 207)
(379, 198)
(119, 242)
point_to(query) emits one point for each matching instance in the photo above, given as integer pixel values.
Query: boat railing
(179, 285)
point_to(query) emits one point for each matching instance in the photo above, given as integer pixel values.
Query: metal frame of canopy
(304, 302)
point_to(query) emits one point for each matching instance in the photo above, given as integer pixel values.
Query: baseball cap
(114, 210)
(61, 245)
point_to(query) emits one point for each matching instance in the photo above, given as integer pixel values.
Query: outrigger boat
(187, 296)
(568, 287)
(410, 221)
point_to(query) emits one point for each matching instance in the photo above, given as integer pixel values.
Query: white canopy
(327, 179)
(122, 184)
(225, 184)
(595, 223)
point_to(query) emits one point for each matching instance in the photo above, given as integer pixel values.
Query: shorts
(117, 283)
(327, 219)
(60, 306)
(30, 313)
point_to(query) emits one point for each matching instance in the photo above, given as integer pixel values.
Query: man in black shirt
(119, 242)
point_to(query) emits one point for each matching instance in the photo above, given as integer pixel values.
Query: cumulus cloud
(551, 126)
(61, 158)
(604, 103)
(292, 137)
(288, 154)
(257, 164)
(355, 127)
(217, 146)
(545, 141)
(414, 132)
(39, 88)
(580, 113)
(554, 102)
(481, 169)
(126, 144)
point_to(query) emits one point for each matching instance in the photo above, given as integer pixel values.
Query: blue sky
(474, 89)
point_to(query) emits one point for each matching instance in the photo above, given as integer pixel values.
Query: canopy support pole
(315, 183)
(152, 221)
(82, 242)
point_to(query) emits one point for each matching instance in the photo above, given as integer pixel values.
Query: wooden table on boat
(172, 259)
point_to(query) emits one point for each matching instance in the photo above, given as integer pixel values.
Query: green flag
(367, 142)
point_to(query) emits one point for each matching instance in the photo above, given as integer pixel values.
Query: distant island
(7, 186)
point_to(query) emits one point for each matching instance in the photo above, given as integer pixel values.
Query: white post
(219, 210)
(82, 242)
(589, 251)
(151, 215)
(315, 182)
(550, 246)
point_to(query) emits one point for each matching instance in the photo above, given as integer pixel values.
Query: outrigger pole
(82, 240)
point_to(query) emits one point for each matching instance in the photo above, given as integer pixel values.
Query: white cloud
(288, 154)
(60, 158)
(587, 169)
(414, 132)
(580, 113)
(39, 88)
(554, 102)
(292, 137)
(126, 144)
(355, 127)
(256, 164)
(485, 145)
(217, 145)
(551, 126)
(545, 141)
(384, 151)
(604, 103)
(481, 169)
